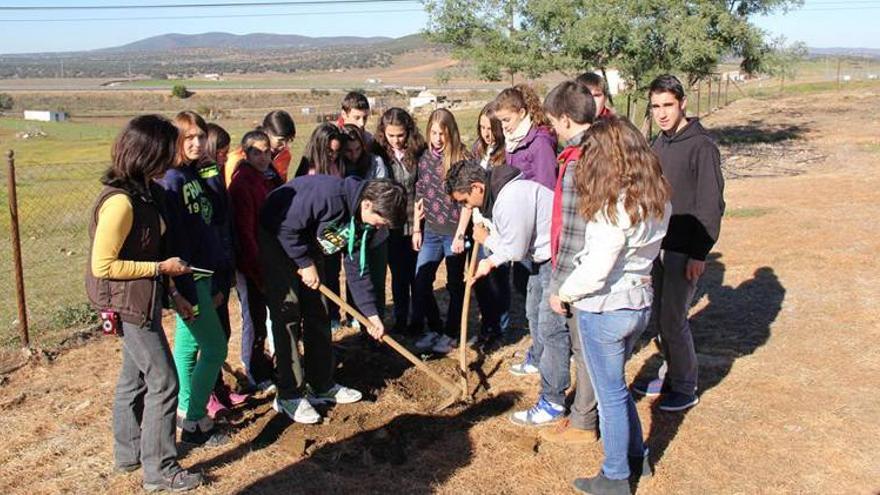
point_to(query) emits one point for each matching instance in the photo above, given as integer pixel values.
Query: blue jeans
(608, 339)
(551, 342)
(493, 296)
(436, 248)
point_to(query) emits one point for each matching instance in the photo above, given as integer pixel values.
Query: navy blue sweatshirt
(188, 213)
(313, 206)
(212, 176)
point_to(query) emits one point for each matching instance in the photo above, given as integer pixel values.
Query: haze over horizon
(819, 23)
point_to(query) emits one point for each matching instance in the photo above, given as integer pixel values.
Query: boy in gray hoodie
(514, 225)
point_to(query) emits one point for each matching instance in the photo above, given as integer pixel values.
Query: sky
(819, 23)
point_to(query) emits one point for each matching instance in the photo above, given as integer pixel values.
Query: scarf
(512, 140)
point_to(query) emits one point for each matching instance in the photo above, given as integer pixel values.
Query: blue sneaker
(541, 414)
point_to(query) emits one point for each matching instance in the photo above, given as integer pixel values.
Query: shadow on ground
(755, 132)
(735, 323)
(413, 454)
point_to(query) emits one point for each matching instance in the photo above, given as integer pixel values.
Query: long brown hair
(480, 147)
(415, 143)
(523, 96)
(185, 121)
(454, 150)
(617, 160)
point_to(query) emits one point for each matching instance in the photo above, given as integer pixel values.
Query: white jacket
(614, 269)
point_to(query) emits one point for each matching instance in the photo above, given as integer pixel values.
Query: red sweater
(247, 193)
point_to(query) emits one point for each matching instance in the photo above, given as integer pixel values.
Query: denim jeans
(608, 339)
(436, 248)
(551, 342)
(402, 262)
(493, 296)
(145, 404)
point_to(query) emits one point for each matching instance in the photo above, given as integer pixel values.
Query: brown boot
(565, 433)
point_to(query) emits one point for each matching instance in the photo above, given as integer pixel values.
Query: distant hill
(187, 55)
(845, 52)
(227, 41)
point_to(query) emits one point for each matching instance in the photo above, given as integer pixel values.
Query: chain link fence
(54, 204)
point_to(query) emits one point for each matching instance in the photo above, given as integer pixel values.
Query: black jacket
(692, 165)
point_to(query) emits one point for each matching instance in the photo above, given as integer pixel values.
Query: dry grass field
(786, 328)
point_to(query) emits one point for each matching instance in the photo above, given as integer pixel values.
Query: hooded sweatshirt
(520, 214)
(692, 165)
(535, 156)
(316, 214)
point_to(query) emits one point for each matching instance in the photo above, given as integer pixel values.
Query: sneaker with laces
(181, 481)
(677, 401)
(337, 394)
(444, 345)
(565, 433)
(542, 413)
(298, 410)
(427, 341)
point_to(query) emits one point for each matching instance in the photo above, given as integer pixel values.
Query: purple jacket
(536, 157)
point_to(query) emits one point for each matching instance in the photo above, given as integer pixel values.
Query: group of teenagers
(609, 231)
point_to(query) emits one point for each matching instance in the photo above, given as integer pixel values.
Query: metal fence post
(16, 252)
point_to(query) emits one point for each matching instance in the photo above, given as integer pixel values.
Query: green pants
(199, 351)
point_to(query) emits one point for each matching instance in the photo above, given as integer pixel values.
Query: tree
(641, 38)
(485, 33)
(5, 101)
(180, 91)
(783, 59)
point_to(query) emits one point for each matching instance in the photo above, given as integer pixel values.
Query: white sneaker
(444, 345)
(524, 369)
(427, 341)
(338, 394)
(541, 414)
(298, 410)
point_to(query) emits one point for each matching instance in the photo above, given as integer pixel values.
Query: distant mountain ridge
(253, 41)
(845, 52)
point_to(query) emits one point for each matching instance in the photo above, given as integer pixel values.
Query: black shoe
(600, 485)
(210, 438)
(677, 401)
(181, 481)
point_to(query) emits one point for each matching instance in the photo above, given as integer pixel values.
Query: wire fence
(54, 204)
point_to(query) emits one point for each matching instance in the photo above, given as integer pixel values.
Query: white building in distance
(45, 115)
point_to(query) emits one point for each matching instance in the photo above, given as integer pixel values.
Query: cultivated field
(786, 327)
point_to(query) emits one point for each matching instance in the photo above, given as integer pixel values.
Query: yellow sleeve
(115, 219)
(231, 164)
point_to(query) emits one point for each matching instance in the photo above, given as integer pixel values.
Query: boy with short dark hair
(301, 221)
(356, 111)
(598, 88)
(692, 165)
(514, 225)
